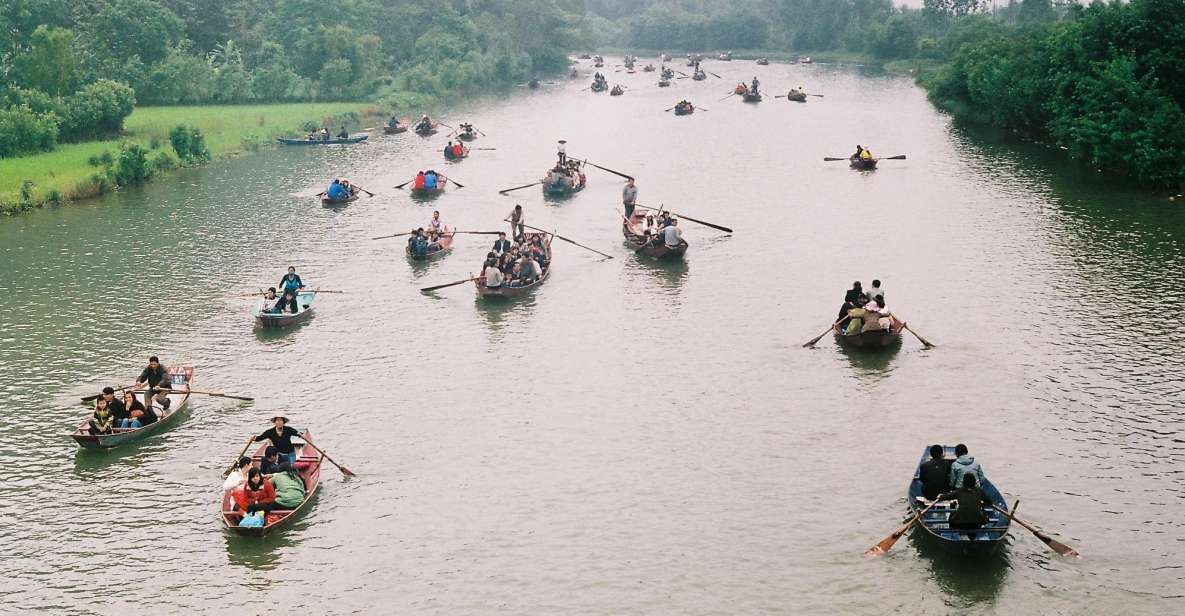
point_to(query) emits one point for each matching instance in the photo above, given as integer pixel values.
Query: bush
(163, 162)
(189, 144)
(132, 166)
(97, 110)
(22, 131)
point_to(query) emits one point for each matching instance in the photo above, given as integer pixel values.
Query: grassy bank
(66, 173)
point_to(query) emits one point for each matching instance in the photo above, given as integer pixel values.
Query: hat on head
(281, 418)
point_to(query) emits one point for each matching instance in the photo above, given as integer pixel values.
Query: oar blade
(887, 543)
(1061, 548)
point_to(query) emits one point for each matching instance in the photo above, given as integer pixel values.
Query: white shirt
(672, 236)
(629, 194)
(493, 277)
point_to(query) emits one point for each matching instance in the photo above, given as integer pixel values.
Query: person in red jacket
(256, 491)
(458, 150)
(419, 181)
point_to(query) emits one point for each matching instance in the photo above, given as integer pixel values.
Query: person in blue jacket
(336, 190)
(291, 282)
(430, 180)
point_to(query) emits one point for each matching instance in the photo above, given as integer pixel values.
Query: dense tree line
(61, 60)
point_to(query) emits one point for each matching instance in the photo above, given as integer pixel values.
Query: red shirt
(245, 496)
(458, 150)
(420, 181)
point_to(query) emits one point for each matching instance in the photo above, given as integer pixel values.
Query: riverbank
(67, 172)
(909, 66)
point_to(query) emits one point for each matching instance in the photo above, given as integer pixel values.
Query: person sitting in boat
(855, 320)
(935, 474)
(419, 181)
(449, 152)
(337, 190)
(854, 293)
(280, 434)
(424, 124)
(393, 122)
(859, 152)
(289, 487)
(270, 464)
(538, 252)
(343, 134)
(430, 180)
(506, 263)
(435, 226)
(237, 476)
(493, 275)
(291, 281)
(458, 150)
(324, 134)
(135, 413)
(501, 245)
(672, 235)
(969, 503)
(876, 291)
(158, 380)
(419, 243)
(866, 154)
(257, 490)
(102, 421)
(964, 464)
(529, 270)
(287, 303)
(876, 316)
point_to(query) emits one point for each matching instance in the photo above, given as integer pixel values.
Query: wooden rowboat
(863, 164)
(649, 68)
(934, 523)
(631, 229)
(304, 310)
(599, 86)
(464, 154)
(395, 130)
(616, 91)
(347, 141)
(442, 247)
(751, 97)
(872, 339)
(330, 201)
(428, 193)
(178, 399)
(425, 131)
(308, 464)
(464, 136)
(664, 83)
(681, 110)
(504, 291)
(762, 61)
(699, 76)
(567, 186)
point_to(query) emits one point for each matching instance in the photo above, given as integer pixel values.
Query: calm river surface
(633, 438)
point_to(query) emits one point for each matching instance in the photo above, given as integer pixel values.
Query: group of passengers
(424, 242)
(515, 264)
(862, 153)
(341, 189)
(599, 81)
(323, 134)
(662, 229)
(428, 180)
(864, 311)
(960, 480)
(455, 150)
(127, 412)
(284, 300)
(275, 484)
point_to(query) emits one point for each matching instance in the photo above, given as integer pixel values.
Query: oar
(925, 342)
(326, 291)
(714, 74)
(345, 471)
(444, 286)
(384, 237)
(569, 241)
(217, 394)
(887, 543)
(444, 125)
(730, 95)
(704, 223)
(484, 149)
(459, 185)
(321, 194)
(479, 232)
(812, 341)
(365, 191)
(1053, 544)
(97, 396)
(405, 184)
(898, 157)
(503, 192)
(818, 95)
(250, 439)
(831, 159)
(628, 177)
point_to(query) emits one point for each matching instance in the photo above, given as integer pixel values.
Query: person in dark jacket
(159, 383)
(291, 281)
(854, 293)
(501, 245)
(288, 302)
(280, 434)
(970, 501)
(270, 464)
(935, 474)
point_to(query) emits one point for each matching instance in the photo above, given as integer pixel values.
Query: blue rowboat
(178, 399)
(355, 139)
(304, 310)
(979, 541)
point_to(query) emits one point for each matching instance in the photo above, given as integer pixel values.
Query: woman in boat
(280, 434)
(255, 491)
(103, 420)
(136, 415)
(289, 490)
(969, 501)
(291, 281)
(492, 274)
(237, 477)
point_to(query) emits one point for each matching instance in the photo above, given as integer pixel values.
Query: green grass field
(66, 168)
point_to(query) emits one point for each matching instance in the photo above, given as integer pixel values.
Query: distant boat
(335, 141)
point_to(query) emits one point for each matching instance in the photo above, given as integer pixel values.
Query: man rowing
(291, 282)
(425, 124)
(629, 195)
(753, 88)
(517, 221)
(156, 376)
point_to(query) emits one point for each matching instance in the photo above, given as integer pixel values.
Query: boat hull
(304, 305)
(863, 165)
(389, 130)
(751, 98)
(306, 456)
(445, 246)
(635, 239)
(329, 202)
(351, 140)
(870, 340)
(504, 291)
(178, 402)
(934, 525)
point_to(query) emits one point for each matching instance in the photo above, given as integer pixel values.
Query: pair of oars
(459, 185)
(832, 159)
(904, 325)
(261, 292)
(345, 471)
(697, 108)
(216, 394)
(884, 545)
(322, 193)
(804, 93)
(383, 237)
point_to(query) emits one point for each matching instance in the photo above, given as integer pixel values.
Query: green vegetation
(81, 170)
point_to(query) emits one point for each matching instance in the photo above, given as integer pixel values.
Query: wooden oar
(444, 286)
(832, 159)
(216, 394)
(925, 342)
(818, 95)
(345, 471)
(628, 177)
(405, 184)
(503, 192)
(812, 341)
(569, 241)
(479, 232)
(365, 191)
(678, 215)
(714, 74)
(99, 395)
(384, 237)
(484, 149)
(226, 473)
(897, 157)
(321, 194)
(1053, 544)
(730, 95)
(887, 543)
(459, 185)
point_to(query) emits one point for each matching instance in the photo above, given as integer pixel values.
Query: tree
(48, 64)
(134, 29)
(1036, 11)
(953, 8)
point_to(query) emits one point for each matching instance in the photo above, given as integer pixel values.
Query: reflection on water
(966, 583)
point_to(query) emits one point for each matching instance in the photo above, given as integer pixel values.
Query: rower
(561, 152)
(876, 292)
(159, 382)
(854, 293)
(629, 195)
(755, 84)
(393, 122)
(969, 502)
(344, 134)
(458, 150)
(424, 124)
(866, 154)
(517, 221)
(291, 281)
(934, 474)
(419, 244)
(859, 152)
(419, 181)
(435, 226)
(280, 435)
(672, 235)
(336, 190)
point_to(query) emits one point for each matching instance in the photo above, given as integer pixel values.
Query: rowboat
(649, 68)
(631, 229)
(464, 154)
(681, 110)
(751, 97)
(505, 291)
(871, 339)
(664, 83)
(182, 377)
(699, 76)
(436, 249)
(617, 91)
(979, 541)
(599, 86)
(304, 310)
(796, 96)
(347, 141)
(533, 84)
(583, 56)
(331, 201)
(805, 60)
(863, 164)
(308, 464)
(762, 61)
(567, 185)
(425, 130)
(464, 136)
(427, 193)
(395, 130)
(726, 57)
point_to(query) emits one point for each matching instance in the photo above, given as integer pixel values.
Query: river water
(634, 437)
